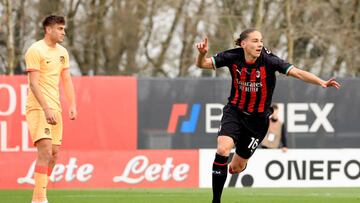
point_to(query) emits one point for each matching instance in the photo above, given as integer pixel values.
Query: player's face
(57, 33)
(253, 44)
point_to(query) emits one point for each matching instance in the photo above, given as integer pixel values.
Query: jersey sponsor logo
(249, 86)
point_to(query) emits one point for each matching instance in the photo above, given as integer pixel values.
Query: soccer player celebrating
(245, 117)
(46, 63)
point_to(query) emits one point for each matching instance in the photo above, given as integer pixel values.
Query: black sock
(219, 173)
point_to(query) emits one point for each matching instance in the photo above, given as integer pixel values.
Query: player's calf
(238, 169)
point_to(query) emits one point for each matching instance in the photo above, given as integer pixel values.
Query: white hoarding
(295, 168)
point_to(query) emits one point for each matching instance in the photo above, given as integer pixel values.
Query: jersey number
(254, 143)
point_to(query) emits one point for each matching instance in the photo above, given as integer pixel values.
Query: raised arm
(202, 61)
(313, 79)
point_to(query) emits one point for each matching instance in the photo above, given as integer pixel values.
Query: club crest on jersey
(257, 74)
(62, 59)
(47, 131)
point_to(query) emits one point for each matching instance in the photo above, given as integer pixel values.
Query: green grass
(233, 195)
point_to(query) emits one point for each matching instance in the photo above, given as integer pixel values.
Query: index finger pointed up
(206, 41)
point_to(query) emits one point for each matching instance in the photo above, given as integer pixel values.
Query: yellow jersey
(50, 62)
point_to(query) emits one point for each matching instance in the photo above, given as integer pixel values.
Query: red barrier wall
(107, 119)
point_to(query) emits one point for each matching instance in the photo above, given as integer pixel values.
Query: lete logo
(179, 110)
(138, 169)
(69, 172)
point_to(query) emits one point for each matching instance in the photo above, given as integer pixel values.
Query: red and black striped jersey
(252, 84)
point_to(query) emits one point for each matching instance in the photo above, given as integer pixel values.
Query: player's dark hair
(52, 20)
(244, 35)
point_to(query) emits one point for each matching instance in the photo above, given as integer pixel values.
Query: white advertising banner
(295, 168)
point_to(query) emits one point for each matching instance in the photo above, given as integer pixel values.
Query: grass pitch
(230, 195)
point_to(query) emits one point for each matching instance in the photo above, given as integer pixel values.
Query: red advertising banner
(107, 120)
(99, 148)
(106, 169)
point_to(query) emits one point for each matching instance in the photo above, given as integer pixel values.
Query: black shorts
(247, 130)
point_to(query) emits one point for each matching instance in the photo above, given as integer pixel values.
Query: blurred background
(148, 118)
(156, 38)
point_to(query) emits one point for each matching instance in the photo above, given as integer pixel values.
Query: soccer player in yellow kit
(46, 63)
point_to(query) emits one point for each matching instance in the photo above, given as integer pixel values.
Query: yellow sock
(41, 179)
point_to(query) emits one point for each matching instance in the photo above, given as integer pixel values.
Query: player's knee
(45, 155)
(54, 156)
(223, 151)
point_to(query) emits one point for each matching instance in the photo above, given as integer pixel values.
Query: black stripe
(239, 90)
(233, 90)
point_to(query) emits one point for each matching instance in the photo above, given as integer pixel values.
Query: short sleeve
(221, 59)
(32, 59)
(67, 61)
(279, 64)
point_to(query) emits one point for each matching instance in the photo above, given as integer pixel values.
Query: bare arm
(313, 79)
(69, 93)
(202, 61)
(35, 89)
